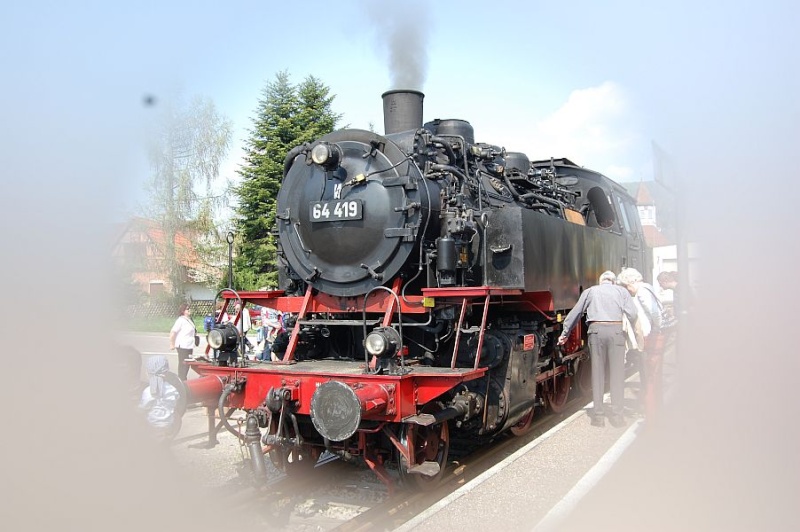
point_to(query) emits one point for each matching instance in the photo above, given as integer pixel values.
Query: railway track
(336, 495)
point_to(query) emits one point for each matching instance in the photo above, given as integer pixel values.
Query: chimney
(402, 110)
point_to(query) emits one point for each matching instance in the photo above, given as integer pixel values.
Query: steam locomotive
(427, 276)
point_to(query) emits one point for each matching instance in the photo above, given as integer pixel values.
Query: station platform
(539, 485)
(545, 486)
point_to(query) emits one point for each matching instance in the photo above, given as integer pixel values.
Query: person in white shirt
(182, 339)
(244, 325)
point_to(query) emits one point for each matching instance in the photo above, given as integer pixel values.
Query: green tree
(191, 141)
(287, 116)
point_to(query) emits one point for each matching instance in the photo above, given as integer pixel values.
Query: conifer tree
(286, 116)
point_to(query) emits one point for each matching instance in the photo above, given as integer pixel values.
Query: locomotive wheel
(431, 443)
(523, 425)
(557, 392)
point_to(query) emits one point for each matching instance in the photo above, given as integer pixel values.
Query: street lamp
(229, 238)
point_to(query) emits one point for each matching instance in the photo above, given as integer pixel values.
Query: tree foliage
(191, 141)
(287, 116)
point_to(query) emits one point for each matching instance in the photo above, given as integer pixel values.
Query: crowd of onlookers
(627, 320)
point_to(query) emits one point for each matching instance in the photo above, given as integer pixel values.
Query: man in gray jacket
(604, 305)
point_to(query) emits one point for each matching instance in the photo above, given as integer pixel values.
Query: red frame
(400, 396)
(406, 392)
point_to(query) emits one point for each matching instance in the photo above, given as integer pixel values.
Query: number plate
(335, 210)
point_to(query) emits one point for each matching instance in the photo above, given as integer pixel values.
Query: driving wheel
(429, 445)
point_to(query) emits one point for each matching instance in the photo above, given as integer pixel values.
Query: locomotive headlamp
(383, 342)
(326, 155)
(224, 337)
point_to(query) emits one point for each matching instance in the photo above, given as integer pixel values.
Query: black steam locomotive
(427, 275)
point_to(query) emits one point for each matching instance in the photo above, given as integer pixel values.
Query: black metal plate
(336, 210)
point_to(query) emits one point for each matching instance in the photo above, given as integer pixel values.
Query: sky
(714, 84)
(595, 83)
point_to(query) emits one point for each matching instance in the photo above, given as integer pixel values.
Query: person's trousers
(183, 368)
(266, 351)
(652, 377)
(607, 342)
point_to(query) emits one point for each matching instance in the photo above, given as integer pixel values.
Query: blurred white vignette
(725, 457)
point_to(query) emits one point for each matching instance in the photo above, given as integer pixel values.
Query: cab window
(601, 208)
(623, 214)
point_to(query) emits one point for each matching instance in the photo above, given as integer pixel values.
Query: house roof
(652, 193)
(649, 193)
(655, 238)
(643, 196)
(153, 230)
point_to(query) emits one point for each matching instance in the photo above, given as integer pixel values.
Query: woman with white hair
(650, 374)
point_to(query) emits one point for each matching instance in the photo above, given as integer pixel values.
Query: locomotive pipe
(204, 389)
(221, 406)
(448, 168)
(252, 438)
(540, 206)
(511, 187)
(545, 199)
(447, 147)
(289, 160)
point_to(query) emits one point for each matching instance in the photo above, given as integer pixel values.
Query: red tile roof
(643, 196)
(654, 237)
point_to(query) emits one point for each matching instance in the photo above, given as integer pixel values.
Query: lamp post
(229, 238)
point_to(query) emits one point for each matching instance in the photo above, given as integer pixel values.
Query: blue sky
(596, 83)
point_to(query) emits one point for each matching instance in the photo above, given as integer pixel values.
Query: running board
(339, 322)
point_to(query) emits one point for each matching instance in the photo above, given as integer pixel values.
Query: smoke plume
(401, 32)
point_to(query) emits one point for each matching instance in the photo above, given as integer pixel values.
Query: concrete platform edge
(480, 479)
(554, 518)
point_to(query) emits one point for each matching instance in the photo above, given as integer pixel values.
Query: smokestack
(402, 110)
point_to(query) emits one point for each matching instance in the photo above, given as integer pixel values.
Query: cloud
(597, 128)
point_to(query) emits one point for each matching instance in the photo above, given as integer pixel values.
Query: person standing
(244, 325)
(604, 305)
(653, 360)
(683, 300)
(182, 338)
(221, 315)
(272, 325)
